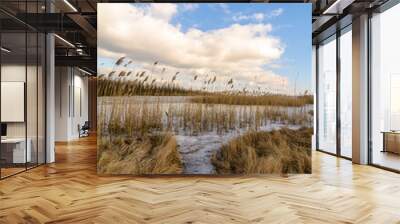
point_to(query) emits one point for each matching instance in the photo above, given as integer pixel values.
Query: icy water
(197, 149)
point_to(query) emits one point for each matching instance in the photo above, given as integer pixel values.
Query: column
(360, 90)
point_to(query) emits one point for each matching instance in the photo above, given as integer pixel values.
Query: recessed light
(70, 5)
(86, 72)
(5, 50)
(64, 40)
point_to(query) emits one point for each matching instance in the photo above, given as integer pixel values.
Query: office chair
(84, 130)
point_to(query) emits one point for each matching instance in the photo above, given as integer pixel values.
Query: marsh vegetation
(150, 126)
(150, 154)
(278, 151)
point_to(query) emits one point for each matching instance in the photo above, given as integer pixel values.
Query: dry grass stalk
(281, 151)
(151, 154)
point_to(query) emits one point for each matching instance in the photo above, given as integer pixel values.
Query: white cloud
(189, 6)
(145, 35)
(258, 17)
(240, 17)
(163, 11)
(276, 12)
(225, 8)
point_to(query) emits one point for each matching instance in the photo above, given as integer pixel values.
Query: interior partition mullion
(37, 98)
(26, 87)
(37, 90)
(338, 76)
(369, 95)
(44, 79)
(317, 97)
(0, 96)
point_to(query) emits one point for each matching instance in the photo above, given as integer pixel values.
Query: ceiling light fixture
(79, 51)
(64, 40)
(337, 7)
(5, 50)
(86, 72)
(70, 5)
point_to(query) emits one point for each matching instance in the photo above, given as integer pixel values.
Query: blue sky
(290, 25)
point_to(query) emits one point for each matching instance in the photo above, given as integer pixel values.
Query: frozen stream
(196, 151)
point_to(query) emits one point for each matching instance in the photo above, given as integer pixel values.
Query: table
(391, 141)
(13, 150)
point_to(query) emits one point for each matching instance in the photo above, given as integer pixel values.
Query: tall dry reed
(132, 116)
(267, 99)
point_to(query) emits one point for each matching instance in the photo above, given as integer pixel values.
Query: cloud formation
(189, 6)
(146, 34)
(258, 17)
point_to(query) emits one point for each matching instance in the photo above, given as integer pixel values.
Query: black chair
(84, 130)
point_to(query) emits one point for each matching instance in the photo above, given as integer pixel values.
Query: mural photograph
(215, 89)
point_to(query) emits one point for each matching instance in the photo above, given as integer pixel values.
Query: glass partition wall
(334, 105)
(334, 95)
(345, 61)
(385, 89)
(327, 95)
(22, 76)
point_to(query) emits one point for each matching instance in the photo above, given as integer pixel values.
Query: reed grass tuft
(151, 154)
(281, 152)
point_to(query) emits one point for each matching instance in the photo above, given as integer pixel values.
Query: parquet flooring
(69, 191)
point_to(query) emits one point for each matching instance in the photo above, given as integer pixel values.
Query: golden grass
(119, 116)
(122, 87)
(150, 154)
(281, 151)
(135, 137)
(271, 100)
(129, 143)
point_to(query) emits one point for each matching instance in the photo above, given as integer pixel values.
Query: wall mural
(204, 88)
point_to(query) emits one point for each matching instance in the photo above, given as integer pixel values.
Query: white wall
(33, 127)
(62, 82)
(80, 94)
(70, 83)
(16, 73)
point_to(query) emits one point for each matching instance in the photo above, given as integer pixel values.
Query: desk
(13, 150)
(391, 141)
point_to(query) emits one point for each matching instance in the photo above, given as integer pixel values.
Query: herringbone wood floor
(69, 191)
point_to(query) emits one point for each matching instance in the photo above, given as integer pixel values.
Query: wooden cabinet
(391, 142)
